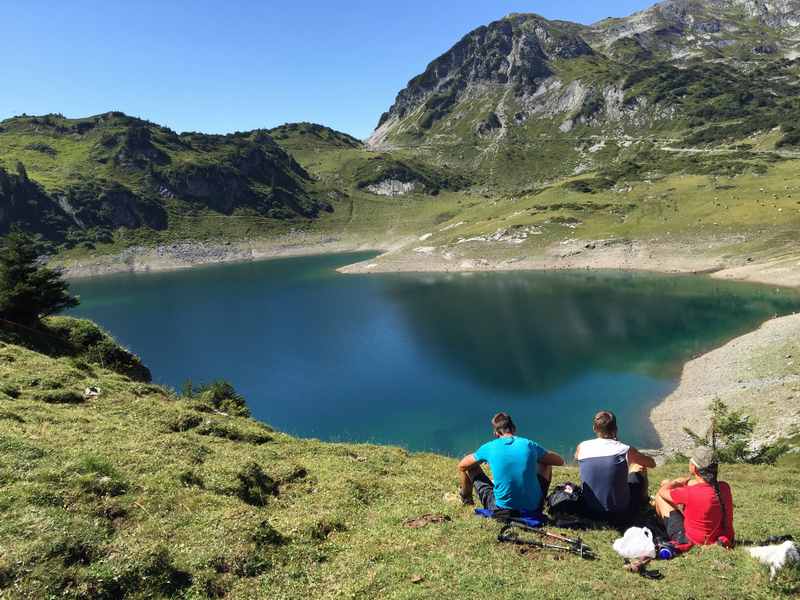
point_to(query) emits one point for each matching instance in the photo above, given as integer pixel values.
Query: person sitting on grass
(614, 474)
(522, 471)
(697, 510)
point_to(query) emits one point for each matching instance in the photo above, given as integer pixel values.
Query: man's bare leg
(664, 508)
(465, 481)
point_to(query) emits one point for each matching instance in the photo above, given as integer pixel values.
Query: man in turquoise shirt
(522, 470)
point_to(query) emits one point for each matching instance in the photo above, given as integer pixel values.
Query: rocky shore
(757, 373)
(183, 255)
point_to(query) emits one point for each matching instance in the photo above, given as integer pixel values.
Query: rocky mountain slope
(547, 112)
(525, 100)
(80, 179)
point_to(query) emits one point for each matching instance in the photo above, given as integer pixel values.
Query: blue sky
(237, 65)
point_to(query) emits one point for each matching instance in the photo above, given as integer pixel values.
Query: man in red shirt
(697, 509)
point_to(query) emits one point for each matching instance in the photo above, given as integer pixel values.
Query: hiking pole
(574, 546)
(576, 543)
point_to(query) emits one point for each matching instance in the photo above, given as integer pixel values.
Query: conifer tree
(28, 289)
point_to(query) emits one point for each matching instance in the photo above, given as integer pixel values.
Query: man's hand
(643, 460)
(674, 483)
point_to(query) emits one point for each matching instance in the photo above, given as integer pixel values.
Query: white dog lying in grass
(776, 557)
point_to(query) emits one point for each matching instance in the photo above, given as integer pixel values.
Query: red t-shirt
(703, 514)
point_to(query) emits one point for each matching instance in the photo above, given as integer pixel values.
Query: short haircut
(502, 423)
(605, 424)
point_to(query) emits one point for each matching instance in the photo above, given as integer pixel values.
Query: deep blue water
(425, 360)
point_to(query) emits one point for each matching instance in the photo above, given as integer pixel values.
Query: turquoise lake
(425, 360)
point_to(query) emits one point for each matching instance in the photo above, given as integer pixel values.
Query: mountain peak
(512, 54)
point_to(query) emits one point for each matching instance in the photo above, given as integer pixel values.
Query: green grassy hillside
(142, 493)
(113, 172)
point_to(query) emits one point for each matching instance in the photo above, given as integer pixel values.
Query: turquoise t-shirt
(515, 465)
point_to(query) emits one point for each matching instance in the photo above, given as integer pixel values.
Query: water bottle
(666, 552)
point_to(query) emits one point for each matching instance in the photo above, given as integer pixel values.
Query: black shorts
(485, 490)
(637, 487)
(676, 529)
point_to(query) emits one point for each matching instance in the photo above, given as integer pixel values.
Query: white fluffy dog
(776, 557)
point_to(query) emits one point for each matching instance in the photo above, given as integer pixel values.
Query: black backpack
(565, 499)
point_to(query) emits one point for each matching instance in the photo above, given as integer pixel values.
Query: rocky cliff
(539, 97)
(81, 179)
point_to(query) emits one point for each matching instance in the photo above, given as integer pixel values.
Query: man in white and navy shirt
(614, 474)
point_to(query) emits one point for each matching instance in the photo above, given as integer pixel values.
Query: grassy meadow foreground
(143, 493)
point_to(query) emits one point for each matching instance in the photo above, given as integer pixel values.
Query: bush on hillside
(29, 290)
(254, 486)
(60, 397)
(154, 575)
(89, 342)
(730, 435)
(220, 396)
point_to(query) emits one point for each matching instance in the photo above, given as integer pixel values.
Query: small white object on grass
(91, 392)
(636, 543)
(776, 557)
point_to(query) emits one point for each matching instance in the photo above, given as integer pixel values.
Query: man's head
(503, 425)
(605, 425)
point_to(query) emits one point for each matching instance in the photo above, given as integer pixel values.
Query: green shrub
(323, 528)
(10, 416)
(93, 345)
(216, 429)
(74, 549)
(266, 535)
(60, 397)
(185, 422)
(257, 560)
(211, 585)
(100, 477)
(191, 479)
(251, 564)
(589, 186)
(14, 450)
(220, 396)
(9, 390)
(153, 576)
(7, 574)
(254, 486)
(44, 495)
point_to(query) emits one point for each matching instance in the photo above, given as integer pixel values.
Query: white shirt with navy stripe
(604, 472)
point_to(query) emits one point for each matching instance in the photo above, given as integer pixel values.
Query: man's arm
(665, 491)
(467, 462)
(637, 458)
(552, 459)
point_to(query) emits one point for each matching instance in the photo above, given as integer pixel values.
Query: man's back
(514, 462)
(604, 473)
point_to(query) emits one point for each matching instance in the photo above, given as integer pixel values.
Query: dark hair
(711, 476)
(605, 424)
(502, 424)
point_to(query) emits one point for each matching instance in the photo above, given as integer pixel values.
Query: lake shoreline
(187, 255)
(702, 379)
(754, 373)
(395, 257)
